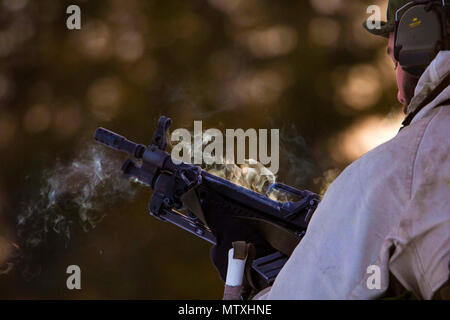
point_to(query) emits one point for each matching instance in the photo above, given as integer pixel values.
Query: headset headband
(413, 3)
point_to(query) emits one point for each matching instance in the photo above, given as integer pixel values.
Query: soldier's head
(416, 31)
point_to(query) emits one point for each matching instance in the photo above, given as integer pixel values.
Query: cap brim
(383, 31)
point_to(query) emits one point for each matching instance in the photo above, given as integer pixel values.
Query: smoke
(251, 174)
(296, 165)
(327, 179)
(72, 195)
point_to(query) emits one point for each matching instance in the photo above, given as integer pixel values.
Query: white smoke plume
(72, 195)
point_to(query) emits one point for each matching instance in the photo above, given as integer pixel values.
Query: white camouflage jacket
(389, 209)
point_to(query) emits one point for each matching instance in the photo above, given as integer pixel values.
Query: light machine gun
(187, 196)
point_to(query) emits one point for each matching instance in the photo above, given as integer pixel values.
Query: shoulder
(393, 165)
(431, 159)
(381, 181)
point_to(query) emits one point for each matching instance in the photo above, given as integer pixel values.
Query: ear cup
(418, 38)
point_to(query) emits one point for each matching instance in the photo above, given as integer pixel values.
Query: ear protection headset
(421, 31)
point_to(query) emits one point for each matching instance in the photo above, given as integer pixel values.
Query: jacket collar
(431, 78)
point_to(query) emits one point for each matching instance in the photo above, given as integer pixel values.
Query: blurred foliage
(306, 67)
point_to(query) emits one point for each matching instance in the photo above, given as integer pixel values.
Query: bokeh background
(306, 67)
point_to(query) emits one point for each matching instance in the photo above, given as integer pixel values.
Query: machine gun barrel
(117, 142)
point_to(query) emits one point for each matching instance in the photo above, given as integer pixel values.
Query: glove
(228, 229)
